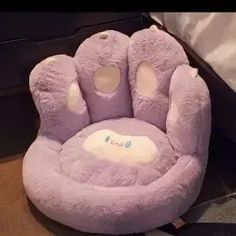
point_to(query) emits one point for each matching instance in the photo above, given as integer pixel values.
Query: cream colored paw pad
(146, 79)
(107, 79)
(194, 73)
(154, 28)
(74, 101)
(103, 35)
(109, 145)
(50, 60)
(175, 113)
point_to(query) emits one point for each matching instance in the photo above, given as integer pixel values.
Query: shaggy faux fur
(120, 162)
(164, 53)
(96, 52)
(84, 167)
(50, 83)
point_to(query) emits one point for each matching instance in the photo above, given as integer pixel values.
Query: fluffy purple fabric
(94, 53)
(83, 166)
(109, 210)
(70, 184)
(49, 85)
(189, 116)
(165, 53)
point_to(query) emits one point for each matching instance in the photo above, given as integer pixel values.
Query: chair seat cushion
(117, 152)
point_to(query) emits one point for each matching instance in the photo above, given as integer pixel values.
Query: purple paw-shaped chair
(123, 141)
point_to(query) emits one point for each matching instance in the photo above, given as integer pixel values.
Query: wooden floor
(17, 215)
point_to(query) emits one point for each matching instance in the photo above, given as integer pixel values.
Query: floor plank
(17, 214)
